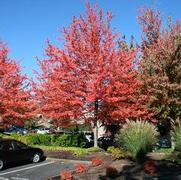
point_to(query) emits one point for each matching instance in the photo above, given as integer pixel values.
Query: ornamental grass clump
(176, 134)
(137, 137)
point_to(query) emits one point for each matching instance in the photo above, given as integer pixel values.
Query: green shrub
(1, 135)
(176, 134)
(118, 153)
(32, 139)
(137, 137)
(44, 139)
(81, 140)
(73, 140)
(54, 139)
(18, 137)
(66, 140)
(62, 140)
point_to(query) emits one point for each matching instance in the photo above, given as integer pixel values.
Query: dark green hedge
(66, 140)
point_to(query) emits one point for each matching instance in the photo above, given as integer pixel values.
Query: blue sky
(25, 25)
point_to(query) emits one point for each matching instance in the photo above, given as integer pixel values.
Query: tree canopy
(90, 74)
(161, 64)
(15, 101)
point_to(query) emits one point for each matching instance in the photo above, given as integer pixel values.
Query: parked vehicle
(89, 135)
(104, 142)
(67, 131)
(15, 130)
(12, 151)
(43, 131)
(1, 130)
(89, 138)
(164, 142)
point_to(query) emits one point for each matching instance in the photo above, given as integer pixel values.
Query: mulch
(125, 169)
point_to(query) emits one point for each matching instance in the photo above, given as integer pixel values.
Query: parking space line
(18, 178)
(26, 168)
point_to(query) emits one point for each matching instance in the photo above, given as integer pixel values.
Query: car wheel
(36, 157)
(1, 164)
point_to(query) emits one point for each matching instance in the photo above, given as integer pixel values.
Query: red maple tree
(15, 102)
(161, 64)
(90, 76)
(123, 98)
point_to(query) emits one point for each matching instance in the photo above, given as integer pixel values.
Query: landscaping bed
(85, 157)
(126, 169)
(112, 168)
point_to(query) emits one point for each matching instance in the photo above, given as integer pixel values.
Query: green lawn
(74, 150)
(164, 150)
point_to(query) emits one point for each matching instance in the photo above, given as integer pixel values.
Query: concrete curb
(69, 160)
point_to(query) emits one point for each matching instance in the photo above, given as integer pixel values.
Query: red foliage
(90, 68)
(149, 167)
(123, 98)
(81, 168)
(97, 161)
(15, 100)
(66, 175)
(161, 64)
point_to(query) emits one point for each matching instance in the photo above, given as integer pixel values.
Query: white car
(43, 131)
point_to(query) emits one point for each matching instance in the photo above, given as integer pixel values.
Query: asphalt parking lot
(39, 171)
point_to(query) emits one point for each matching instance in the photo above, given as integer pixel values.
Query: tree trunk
(95, 124)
